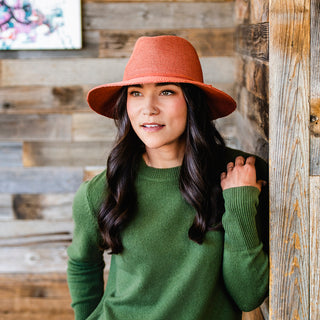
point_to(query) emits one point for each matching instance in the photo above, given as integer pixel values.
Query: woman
(183, 216)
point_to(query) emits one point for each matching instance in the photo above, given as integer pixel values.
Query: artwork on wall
(40, 24)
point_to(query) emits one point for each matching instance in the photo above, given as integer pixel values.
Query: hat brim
(102, 99)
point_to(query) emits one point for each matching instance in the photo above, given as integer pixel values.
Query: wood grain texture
(207, 42)
(155, 15)
(255, 109)
(253, 40)
(91, 72)
(31, 99)
(259, 11)
(93, 127)
(16, 127)
(35, 297)
(315, 89)
(33, 228)
(81, 154)
(52, 207)
(289, 159)
(253, 315)
(315, 247)
(6, 212)
(107, 1)
(40, 180)
(257, 78)
(10, 154)
(61, 72)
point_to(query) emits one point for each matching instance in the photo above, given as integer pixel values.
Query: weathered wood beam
(108, 1)
(253, 40)
(51, 207)
(42, 296)
(92, 127)
(289, 159)
(10, 154)
(207, 42)
(17, 127)
(40, 180)
(315, 89)
(90, 72)
(315, 247)
(155, 15)
(88, 153)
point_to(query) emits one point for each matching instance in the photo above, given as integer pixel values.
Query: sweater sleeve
(245, 263)
(85, 264)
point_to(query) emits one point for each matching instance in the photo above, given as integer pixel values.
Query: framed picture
(40, 24)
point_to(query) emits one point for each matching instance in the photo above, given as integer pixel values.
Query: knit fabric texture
(162, 274)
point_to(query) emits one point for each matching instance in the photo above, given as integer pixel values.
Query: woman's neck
(164, 158)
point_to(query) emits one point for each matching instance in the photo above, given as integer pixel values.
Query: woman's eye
(167, 92)
(135, 93)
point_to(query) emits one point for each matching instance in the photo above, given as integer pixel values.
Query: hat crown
(166, 56)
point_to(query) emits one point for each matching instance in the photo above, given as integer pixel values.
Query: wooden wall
(251, 120)
(294, 159)
(50, 141)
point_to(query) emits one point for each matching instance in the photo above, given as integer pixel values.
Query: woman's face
(158, 115)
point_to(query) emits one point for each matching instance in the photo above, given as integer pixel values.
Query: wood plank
(40, 180)
(315, 247)
(253, 315)
(16, 127)
(61, 72)
(314, 155)
(107, 1)
(93, 127)
(10, 154)
(218, 70)
(253, 40)
(43, 99)
(93, 153)
(33, 297)
(6, 211)
(257, 78)
(34, 258)
(207, 42)
(33, 228)
(289, 159)
(93, 71)
(38, 258)
(155, 15)
(253, 108)
(259, 11)
(315, 89)
(242, 11)
(43, 206)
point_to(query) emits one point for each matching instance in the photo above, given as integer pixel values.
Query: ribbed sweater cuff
(239, 217)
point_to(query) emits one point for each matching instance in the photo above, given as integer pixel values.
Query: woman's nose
(150, 106)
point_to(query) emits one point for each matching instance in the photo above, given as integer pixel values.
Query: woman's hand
(241, 173)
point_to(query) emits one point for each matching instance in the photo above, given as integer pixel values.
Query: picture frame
(40, 25)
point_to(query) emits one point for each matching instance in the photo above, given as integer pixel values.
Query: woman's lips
(152, 127)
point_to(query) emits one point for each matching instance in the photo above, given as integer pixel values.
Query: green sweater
(162, 274)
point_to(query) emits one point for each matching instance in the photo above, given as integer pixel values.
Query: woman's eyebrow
(164, 84)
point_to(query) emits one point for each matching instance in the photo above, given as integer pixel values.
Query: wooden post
(315, 162)
(289, 159)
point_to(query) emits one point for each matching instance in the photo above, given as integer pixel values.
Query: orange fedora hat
(161, 59)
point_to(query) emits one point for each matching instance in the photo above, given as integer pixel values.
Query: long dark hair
(199, 180)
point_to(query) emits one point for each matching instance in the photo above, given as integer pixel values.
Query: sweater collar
(167, 174)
